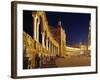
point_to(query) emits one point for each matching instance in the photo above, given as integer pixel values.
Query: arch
(40, 30)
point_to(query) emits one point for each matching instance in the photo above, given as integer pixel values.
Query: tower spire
(59, 22)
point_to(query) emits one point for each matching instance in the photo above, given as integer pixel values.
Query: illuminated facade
(72, 51)
(46, 41)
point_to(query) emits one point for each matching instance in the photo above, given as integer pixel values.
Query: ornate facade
(46, 41)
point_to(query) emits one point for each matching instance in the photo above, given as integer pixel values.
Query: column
(38, 31)
(54, 50)
(47, 43)
(35, 27)
(43, 36)
(57, 51)
(50, 47)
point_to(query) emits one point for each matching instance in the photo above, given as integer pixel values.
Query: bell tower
(62, 39)
(89, 37)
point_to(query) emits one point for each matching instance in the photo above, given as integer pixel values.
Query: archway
(40, 31)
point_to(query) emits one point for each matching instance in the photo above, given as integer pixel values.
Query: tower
(89, 37)
(62, 39)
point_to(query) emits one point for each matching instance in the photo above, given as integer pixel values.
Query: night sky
(75, 24)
